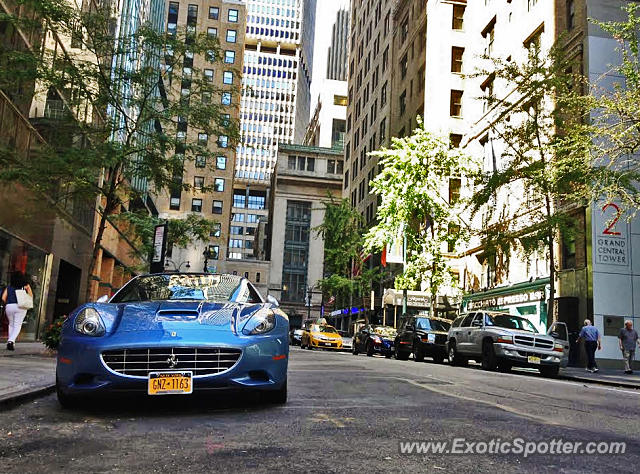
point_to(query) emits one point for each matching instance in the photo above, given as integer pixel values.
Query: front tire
(455, 359)
(369, 349)
(276, 397)
(401, 355)
(489, 360)
(418, 355)
(65, 400)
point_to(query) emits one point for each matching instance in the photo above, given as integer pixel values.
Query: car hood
(176, 315)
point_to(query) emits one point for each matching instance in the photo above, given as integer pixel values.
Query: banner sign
(159, 248)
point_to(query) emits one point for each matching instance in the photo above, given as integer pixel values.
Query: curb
(610, 383)
(25, 396)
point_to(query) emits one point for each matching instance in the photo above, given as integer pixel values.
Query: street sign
(159, 248)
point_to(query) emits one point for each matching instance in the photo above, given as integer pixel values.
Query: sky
(325, 18)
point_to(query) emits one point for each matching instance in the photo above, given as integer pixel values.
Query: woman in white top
(15, 314)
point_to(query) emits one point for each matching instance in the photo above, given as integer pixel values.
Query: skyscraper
(337, 60)
(277, 70)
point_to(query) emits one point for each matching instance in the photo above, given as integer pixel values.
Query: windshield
(384, 331)
(510, 322)
(428, 324)
(328, 329)
(188, 287)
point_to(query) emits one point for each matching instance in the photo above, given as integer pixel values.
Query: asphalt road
(344, 414)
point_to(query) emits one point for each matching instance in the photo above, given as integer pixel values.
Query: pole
(404, 269)
(308, 303)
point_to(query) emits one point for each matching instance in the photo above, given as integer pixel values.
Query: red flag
(383, 259)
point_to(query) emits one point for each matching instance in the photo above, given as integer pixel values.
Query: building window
(238, 217)
(217, 230)
(256, 201)
(225, 120)
(214, 252)
(383, 129)
(291, 163)
(235, 243)
(383, 95)
(233, 16)
(531, 4)
(239, 199)
(208, 75)
(569, 251)
(403, 103)
(212, 32)
(335, 166)
(404, 62)
(218, 185)
(198, 182)
(196, 205)
(571, 14)
(458, 17)
(201, 161)
(232, 36)
(221, 162)
(248, 244)
(223, 141)
(340, 100)
(455, 108)
(226, 98)
(258, 277)
(236, 230)
(216, 208)
(227, 77)
(203, 139)
(174, 204)
(456, 59)
(229, 57)
(404, 30)
(454, 190)
(454, 140)
(214, 13)
(252, 218)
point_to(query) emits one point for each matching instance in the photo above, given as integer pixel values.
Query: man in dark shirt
(628, 339)
(591, 337)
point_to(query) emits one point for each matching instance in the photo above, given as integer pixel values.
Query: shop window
(569, 251)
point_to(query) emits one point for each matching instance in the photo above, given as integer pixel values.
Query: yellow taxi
(321, 336)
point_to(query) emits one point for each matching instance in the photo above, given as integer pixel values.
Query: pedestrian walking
(628, 339)
(18, 299)
(591, 337)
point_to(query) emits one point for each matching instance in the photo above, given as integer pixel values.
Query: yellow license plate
(170, 383)
(533, 360)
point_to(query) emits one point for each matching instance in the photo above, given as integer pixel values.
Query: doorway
(67, 289)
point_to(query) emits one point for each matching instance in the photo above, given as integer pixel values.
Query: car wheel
(66, 401)
(369, 349)
(454, 358)
(438, 359)
(489, 361)
(354, 349)
(401, 355)
(276, 397)
(418, 355)
(551, 371)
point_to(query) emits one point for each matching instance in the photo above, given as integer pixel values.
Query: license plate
(327, 344)
(533, 360)
(170, 383)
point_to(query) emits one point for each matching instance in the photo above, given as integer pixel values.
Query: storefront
(417, 302)
(19, 256)
(528, 299)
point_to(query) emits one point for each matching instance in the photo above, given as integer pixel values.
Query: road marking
(324, 418)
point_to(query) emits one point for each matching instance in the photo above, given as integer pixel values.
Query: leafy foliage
(53, 333)
(118, 107)
(412, 186)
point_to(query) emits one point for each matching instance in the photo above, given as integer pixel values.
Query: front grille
(531, 341)
(533, 354)
(200, 361)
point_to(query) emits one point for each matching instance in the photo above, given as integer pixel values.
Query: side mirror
(102, 299)
(555, 334)
(271, 299)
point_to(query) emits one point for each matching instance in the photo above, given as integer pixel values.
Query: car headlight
(505, 339)
(260, 323)
(89, 323)
(557, 347)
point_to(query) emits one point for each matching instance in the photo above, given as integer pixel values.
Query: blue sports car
(175, 334)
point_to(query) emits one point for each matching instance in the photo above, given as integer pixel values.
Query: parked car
(424, 336)
(295, 337)
(175, 334)
(347, 341)
(321, 336)
(374, 340)
(501, 340)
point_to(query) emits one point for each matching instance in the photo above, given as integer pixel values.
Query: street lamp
(176, 268)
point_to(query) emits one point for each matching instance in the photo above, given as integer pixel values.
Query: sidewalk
(603, 376)
(25, 373)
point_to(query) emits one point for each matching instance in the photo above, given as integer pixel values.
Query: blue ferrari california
(175, 334)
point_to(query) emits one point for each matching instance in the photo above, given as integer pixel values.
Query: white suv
(501, 340)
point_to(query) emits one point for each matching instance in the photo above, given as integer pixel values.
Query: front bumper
(519, 356)
(81, 371)
(431, 349)
(331, 344)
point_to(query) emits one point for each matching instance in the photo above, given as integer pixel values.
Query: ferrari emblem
(174, 334)
(172, 361)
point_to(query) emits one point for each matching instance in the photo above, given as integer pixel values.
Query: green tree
(131, 110)
(416, 173)
(342, 231)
